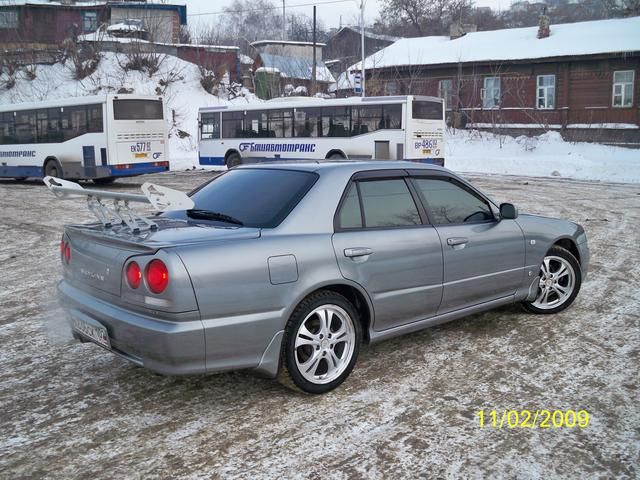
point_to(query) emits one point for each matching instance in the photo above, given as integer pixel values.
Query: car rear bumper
(166, 347)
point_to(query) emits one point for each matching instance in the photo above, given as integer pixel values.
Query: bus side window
(308, 122)
(26, 126)
(339, 121)
(54, 132)
(74, 122)
(232, 124)
(210, 126)
(94, 114)
(393, 116)
(7, 129)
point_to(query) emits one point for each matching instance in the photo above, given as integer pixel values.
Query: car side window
(350, 215)
(451, 204)
(385, 203)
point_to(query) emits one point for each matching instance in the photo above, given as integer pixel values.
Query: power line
(249, 10)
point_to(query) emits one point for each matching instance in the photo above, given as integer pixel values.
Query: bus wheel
(335, 156)
(104, 180)
(53, 169)
(233, 160)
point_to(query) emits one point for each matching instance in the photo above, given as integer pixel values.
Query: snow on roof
(285, 42)
(125, 27)
(296, 67)
(369, 34)
(583, 38)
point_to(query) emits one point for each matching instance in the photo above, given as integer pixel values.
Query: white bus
(398, 127)
(94, 137)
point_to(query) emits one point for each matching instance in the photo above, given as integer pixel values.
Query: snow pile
(177, 80)
(547, 155)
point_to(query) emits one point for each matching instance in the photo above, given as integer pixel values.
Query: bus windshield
(131, 109)
(426, 110)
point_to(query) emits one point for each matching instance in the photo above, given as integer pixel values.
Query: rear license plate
(141, 155)
(96, 333)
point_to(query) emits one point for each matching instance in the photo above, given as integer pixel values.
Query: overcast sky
(330, 13)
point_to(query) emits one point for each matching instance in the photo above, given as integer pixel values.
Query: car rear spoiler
(161, 198)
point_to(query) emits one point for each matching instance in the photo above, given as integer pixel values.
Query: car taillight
(134, 275)
(67, 252)
(157, 276)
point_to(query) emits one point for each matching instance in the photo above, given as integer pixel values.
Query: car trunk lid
(98, 254)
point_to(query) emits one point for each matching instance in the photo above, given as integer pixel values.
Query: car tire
(233, 160)
(52, 168)
(560, 279)
(317, 354)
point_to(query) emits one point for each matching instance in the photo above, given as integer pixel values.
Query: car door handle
(357, 252)
(457, 241)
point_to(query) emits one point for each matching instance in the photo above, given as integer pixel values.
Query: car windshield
(257, 197)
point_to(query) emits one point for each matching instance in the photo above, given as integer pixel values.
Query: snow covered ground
(547, 155)
(408, 410)
(466, 151)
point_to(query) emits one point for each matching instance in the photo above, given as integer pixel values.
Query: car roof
(351, 166)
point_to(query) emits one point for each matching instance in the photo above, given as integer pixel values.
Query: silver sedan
(287, 269)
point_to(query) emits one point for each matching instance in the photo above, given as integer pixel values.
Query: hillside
(178, 81)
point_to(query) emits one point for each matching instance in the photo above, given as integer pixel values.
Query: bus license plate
(141, 147)
(141, 155)
(96, 333)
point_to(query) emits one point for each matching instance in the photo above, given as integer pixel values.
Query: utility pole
(284, 22)
(362, 69)
(314, 68)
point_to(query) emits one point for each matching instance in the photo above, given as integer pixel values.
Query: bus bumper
(211, 161)
(129, 170)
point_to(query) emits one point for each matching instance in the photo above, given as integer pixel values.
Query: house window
(445, 89)
(9, 19)
(89, 21)
(546, 92)
(491, 92)
(623, 88)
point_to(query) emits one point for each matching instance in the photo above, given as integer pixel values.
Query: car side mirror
(508, 211)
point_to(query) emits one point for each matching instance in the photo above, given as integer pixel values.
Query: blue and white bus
(384, 128)
(94, 137)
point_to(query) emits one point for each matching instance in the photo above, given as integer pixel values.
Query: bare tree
(422, 17)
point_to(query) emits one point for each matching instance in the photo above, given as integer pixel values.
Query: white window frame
(542, 93)
(625, 87)
(491, 96)
(9, 19)
(85, 17)
(445, 94)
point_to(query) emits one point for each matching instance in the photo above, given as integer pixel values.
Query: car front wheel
(321, 343)
(558, 282)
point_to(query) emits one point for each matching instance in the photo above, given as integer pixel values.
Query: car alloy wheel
(558, 282)
(321, 343)
(324, 344)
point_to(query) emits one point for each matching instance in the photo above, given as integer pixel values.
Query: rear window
(137, 110)
(425, 110)
(259, 198)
